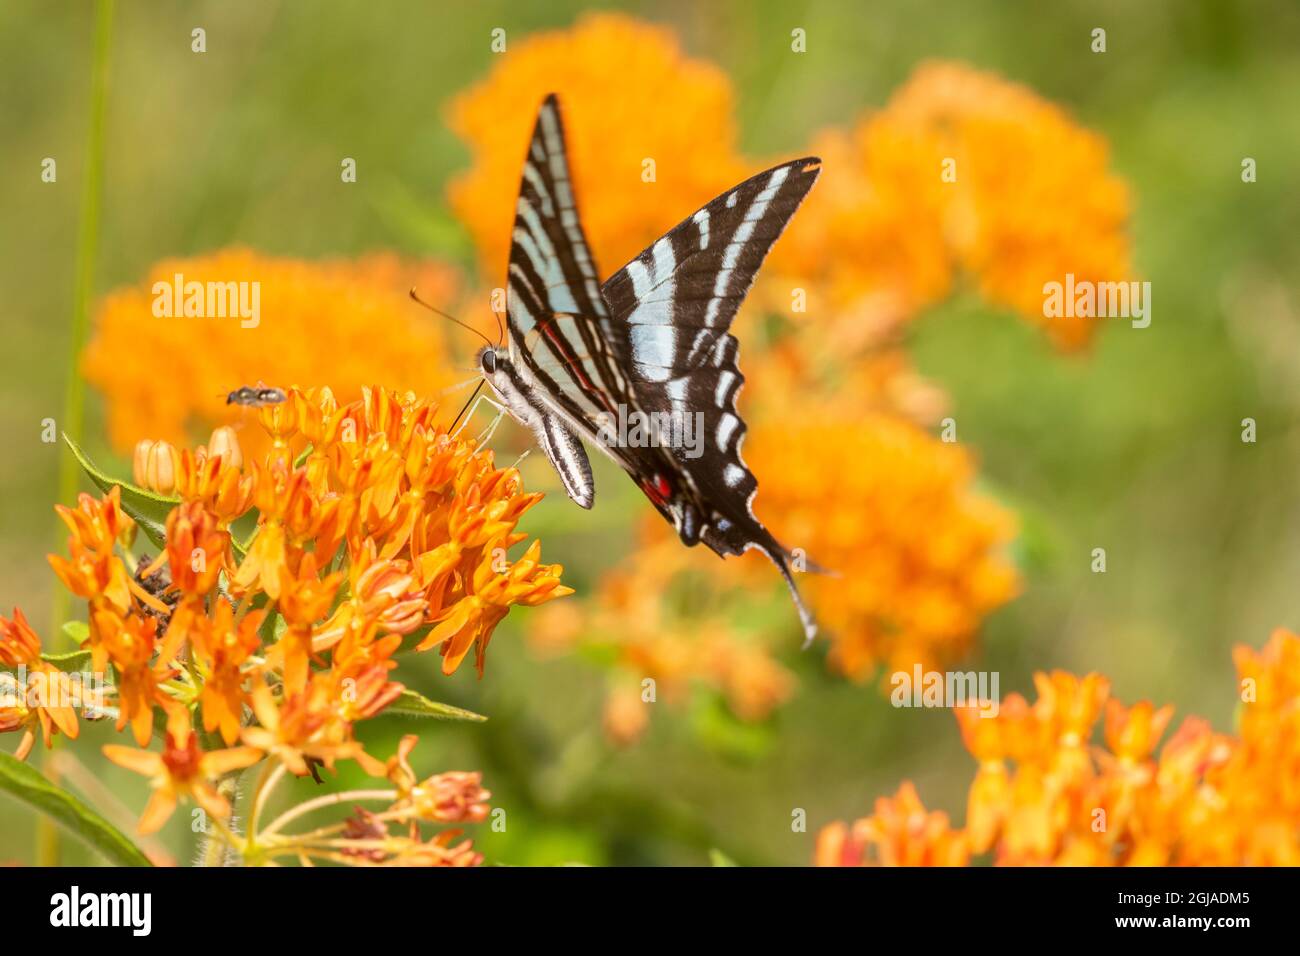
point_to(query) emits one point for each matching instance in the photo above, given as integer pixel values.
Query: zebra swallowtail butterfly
(653, 341)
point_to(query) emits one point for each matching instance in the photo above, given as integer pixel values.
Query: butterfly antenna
(415, 296)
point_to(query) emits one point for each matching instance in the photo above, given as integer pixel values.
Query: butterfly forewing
(554, 303)
(558, 320)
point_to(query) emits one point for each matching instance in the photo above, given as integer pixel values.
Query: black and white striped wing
(556, 314)
(672, 307)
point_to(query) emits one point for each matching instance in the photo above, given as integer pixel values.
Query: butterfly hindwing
(568, 457)
(671, 308)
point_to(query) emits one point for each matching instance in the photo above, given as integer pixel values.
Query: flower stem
(329, 800)
(47, 834)
(272, 773)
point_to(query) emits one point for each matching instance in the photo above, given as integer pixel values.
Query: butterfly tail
(781, 558)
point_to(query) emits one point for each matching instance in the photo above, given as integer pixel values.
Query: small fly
(255, 397)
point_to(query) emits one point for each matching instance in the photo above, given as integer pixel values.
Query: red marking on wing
(657, 489)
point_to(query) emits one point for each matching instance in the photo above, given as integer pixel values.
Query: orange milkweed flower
(440, 850)
(181, 771)
(221, 647)
(215, 479)
(304, 599)
(40, 701)
(19, 644)
(1045, 795)
(131, 643)
(93, 571)
(197, 551)
(472, 619)
(449, 797)
(900, 833)
(303, 726)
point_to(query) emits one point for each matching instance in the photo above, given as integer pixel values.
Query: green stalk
(74, 395)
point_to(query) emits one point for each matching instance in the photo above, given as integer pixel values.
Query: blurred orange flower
(961, 171)
(918, 558)
(348, 322)
(900, 833)
(635, 106)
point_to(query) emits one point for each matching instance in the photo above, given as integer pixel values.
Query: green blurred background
(1135, 447)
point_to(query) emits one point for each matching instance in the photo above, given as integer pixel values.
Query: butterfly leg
(474, 407)
(488, 432)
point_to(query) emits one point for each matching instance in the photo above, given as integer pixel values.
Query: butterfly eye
(489, 361)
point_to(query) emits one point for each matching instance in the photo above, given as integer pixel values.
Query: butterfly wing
(670, 311)
(557, 319)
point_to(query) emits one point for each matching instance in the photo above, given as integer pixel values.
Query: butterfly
(649, 346)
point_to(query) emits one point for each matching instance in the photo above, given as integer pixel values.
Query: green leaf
(148, 508)
(414, 704)
(27, 785)
(69, 661)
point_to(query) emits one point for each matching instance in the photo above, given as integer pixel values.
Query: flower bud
(154, 466)
(225, 443)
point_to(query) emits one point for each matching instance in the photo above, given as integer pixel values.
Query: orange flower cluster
(373, 525)
(636, 624)
(961, 170)
(314, 321)
(1044, 794)
(918, 558)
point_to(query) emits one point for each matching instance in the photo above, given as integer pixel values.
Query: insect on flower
(256, 396)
